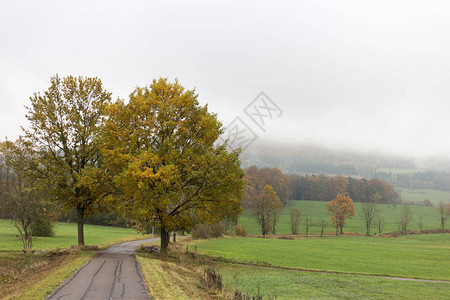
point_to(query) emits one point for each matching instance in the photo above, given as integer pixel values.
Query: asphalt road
(110, 274)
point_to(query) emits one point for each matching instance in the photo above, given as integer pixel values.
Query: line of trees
(152, 158)
(323, 188)
(417, 180)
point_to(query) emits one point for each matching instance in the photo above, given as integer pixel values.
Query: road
(110, 274)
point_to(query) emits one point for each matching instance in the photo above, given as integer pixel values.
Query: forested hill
(307, 159)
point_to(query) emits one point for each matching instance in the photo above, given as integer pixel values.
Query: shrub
(201, 231)
(217, 230)
(43, 227)
(212, 280)
(239, 230)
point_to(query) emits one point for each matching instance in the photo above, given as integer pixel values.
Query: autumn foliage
(340, 208)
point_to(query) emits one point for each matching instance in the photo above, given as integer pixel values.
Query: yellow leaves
(167, 164)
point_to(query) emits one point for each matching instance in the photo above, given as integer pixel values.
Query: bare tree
(420, 223)
(323, 225)
(444, 213)
(294, 219)
(308, 225)
(379, 223)
(405, 218)
(368, 211)
(24, 194)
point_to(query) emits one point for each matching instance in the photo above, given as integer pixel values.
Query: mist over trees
(439, 180)
(308, 159)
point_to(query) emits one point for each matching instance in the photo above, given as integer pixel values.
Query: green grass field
(317, 210)
(65, 236)
(416, 195)
(418, 256)
(284, 284)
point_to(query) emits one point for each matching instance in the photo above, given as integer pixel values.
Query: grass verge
(171, 279)
(35, 277)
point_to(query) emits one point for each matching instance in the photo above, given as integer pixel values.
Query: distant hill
(310, 159)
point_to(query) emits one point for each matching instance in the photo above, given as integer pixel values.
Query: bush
(43, 227)
(217, 230)
(201, 231)
(239, 230)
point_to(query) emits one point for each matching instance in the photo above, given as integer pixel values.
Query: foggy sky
(368, 75)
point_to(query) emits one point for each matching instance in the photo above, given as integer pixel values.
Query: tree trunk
(174, 237)
(165, 239)
(80, 223)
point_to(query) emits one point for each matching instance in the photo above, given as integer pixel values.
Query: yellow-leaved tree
(63, 134)
(160, 150)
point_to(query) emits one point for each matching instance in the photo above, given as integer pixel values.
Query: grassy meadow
(65, 236)
(317, 210)
(415, 256)
(285, 284)
(418, 195)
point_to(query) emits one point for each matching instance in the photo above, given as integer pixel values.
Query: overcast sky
(369, 75)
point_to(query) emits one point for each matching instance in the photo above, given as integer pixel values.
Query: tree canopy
(63, 134)
(160, 150)
(339, 209)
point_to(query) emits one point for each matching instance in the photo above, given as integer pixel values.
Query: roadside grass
(284, 284)
(317, 210)
(28, 276)
(434, 196)
(165, 273)
(415, 256)
(166, 279)
(66, 235)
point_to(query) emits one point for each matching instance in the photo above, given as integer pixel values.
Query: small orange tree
(339, 209)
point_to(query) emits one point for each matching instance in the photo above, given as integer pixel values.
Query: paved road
(110, 274)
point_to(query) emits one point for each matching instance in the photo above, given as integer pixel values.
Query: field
(65, 236)
(414, 256)
(317, 210)
(284, 284)
(416, 195)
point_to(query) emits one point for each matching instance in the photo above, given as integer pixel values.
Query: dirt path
(110, 274)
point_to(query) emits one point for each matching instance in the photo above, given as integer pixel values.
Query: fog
(362, 75)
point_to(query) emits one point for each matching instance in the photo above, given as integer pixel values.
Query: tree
(63, 133)
(294, 219)
(160, 151)
(308, 225)
(323, 225)
(405, 218)
(368, 211)
(24, 201)
(420, 223)
(256, 179)
(274, 222)
(444, 213)
(379, 223)
(266, 203)
(339, 209)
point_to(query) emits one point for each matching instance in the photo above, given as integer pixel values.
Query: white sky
(370, 75)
